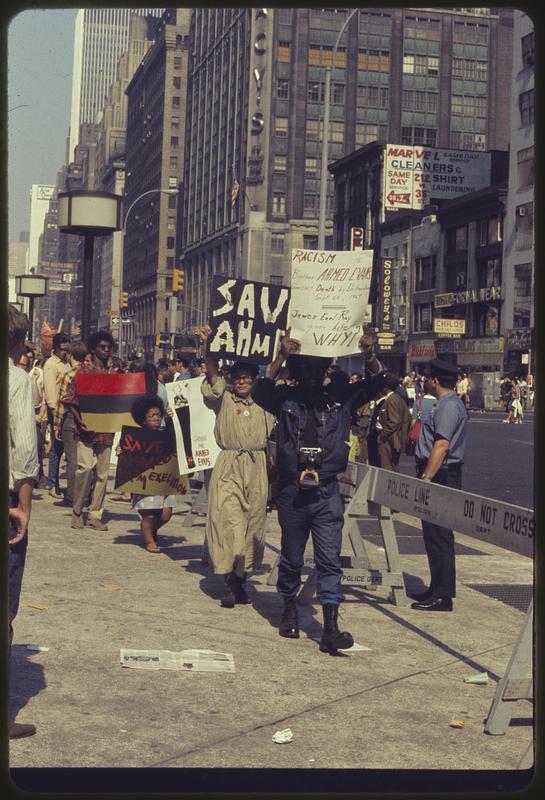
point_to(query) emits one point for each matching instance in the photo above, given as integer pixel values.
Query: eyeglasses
(151, 414)
(243, 379)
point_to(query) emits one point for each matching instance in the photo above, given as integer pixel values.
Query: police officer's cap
(437, 368)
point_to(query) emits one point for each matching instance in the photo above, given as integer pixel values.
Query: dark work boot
(289, 622)
(332, 638)
(235, 591)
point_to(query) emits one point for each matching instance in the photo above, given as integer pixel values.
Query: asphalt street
(499, 459)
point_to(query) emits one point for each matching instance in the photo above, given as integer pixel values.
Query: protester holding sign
(237, 497)
(311, 450)
(154, 510)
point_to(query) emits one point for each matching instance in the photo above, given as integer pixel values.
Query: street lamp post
(325, 137)
(88, 214)
(121, 262)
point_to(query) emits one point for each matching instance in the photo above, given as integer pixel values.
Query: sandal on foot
(151, 547)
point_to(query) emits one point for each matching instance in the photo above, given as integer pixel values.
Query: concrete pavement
(381, 716)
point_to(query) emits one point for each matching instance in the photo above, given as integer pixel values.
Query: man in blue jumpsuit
(439, 457)
(311, 451)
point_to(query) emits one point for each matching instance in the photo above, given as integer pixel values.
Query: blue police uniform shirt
(447, 420)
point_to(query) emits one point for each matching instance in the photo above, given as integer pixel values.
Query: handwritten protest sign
(329, 294)
(248, 319)
(194, 423)
(148, 464)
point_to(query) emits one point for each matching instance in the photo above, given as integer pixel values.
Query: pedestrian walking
(238, 489)
(54, 368)
(93, 449)
(22, 476)
(311, 450)
(439, 458)
(64, 421)
(462, 388)
(155, 511)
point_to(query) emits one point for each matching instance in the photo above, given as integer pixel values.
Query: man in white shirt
(23, 472)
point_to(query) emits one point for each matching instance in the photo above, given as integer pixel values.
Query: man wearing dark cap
(313, 426)
(389, 426)
(439, 458)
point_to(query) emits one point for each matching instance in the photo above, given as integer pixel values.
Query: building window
(487, 320)
(175, 122)
(374, 60)
(525, 162)
(423, 317)
(170, 242)
(420, 65)
(489, 231)
(489, 273)
(315, 92)
(425, 273)
(338, 94)
(177, 82)
(523, 296)
(366, 133)
(372, 97)
(457, 239)
(527, 45)
(174, 141)
(279, 203)
(284, 15)
(469, 69)
(277, 243)
(283, 87)
(173, 162)
(280, 164)
(278, 280)
(283, 53)
(524, 226)
(177, 61)
(172, 201)
(526, 106)
(310, 203)
(175, 101)
(470, 33)
(311, 167)
(281, 127)
(310, 242)
(457, 278)
(312, 129)
(336, 132)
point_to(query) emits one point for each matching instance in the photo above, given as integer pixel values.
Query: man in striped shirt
(23, 472)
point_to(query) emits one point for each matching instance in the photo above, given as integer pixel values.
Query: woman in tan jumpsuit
(237, 495)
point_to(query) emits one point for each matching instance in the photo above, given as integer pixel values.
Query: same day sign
(413, 175)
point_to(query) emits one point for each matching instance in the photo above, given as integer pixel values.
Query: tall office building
(101, 36)
(519, 269)
(40, 195)
(255, 113)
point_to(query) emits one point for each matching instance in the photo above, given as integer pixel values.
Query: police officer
(311, 450)
(439, 458)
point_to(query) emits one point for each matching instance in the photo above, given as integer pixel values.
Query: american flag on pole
(234, 191)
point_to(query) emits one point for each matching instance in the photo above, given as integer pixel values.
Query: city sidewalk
(87, 594)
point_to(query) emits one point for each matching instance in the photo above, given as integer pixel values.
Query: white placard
(329, 295)
(194, 423)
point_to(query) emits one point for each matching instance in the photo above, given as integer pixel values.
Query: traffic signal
(124, 300)
(178, 278)
(356, 238)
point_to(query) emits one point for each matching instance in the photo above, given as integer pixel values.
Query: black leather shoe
(419, 596)
(434, 604)
(18, 731)
(289, 622)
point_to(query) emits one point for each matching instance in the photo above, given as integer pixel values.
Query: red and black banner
(105, 399)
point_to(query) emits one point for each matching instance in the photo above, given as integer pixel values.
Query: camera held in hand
(310, 458)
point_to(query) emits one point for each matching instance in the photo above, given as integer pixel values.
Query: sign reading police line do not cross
(248, 319)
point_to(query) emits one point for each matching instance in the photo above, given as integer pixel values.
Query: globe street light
(31, 286)
(121, 262)
(325, 137)
(88, 214)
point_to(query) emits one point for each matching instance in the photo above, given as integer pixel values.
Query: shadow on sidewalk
(27, 678)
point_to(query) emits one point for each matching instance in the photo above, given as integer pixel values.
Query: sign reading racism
(147, 463)
(415, 175)
(247, 319)
(105, 399)
(329, 294)
(194, 423)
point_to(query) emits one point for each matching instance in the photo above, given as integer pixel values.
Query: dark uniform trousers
(17, 557)
(439, 541)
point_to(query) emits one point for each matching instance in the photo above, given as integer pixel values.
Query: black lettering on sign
(469, 508)
(398, 488)
(247, 319)
(520, 524)
(488, 514)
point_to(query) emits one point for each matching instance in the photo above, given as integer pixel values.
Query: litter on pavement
(39, 606)
(481, 677)
(112, 587)
(282, 737)
(456, 723)
(37, 648)
(356, 648)
(191, 660)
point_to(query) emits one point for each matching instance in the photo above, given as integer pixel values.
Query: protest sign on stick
(329, 295)
(194, 423)
(247, 319)
(106, 398)
(148, 464)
